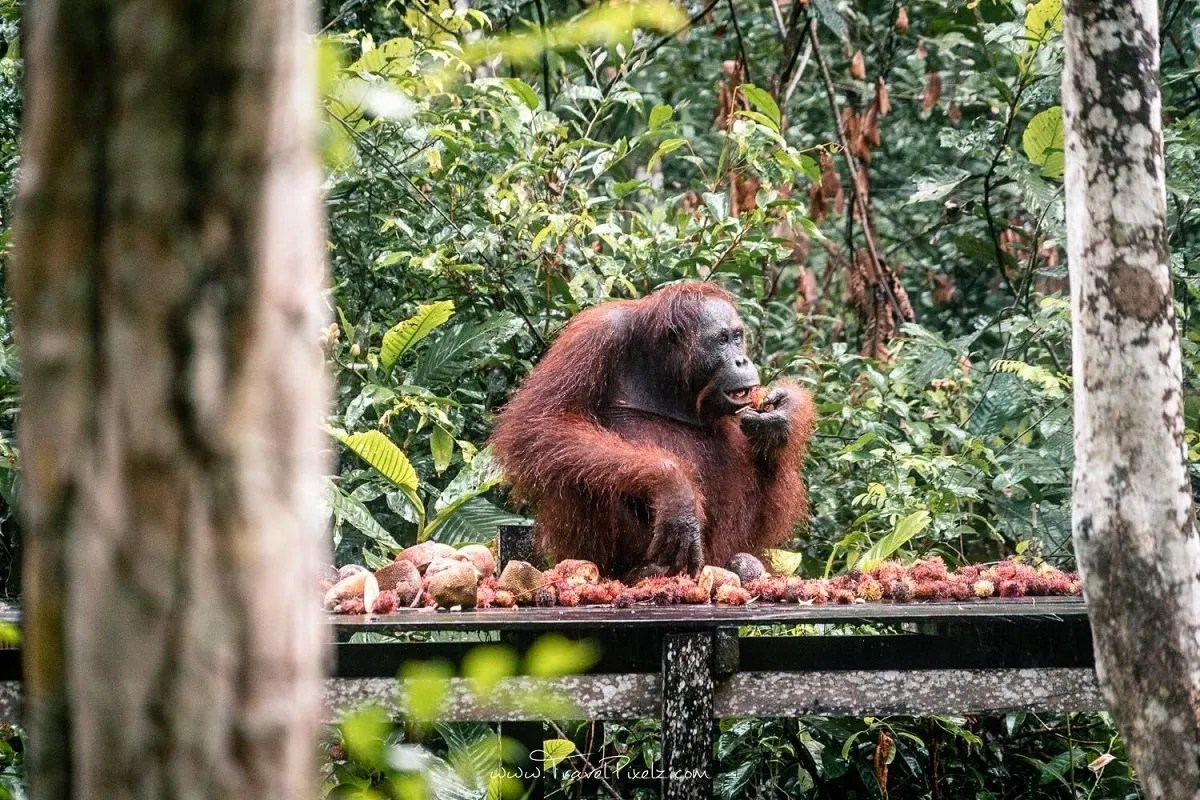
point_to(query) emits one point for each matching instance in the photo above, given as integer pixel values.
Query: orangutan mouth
(740, 396)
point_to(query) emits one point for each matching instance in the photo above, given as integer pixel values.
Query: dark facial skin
(717, 380)
(722, 363)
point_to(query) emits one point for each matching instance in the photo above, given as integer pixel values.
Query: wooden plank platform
(692, 664)
(712, 616)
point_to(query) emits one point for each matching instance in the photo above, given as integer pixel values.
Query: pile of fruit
(436, 575)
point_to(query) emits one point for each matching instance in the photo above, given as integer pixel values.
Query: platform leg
(687, 716)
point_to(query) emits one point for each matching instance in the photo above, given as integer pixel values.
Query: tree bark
(167, 282)
(1134, 527)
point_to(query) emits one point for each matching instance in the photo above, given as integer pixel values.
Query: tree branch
(858, 201)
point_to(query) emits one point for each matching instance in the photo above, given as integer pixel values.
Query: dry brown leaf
(816, 204)
(883, 100)
(858, 68)
(883, 757)
(933, 90)
(806, 292)
(902, 20)
(944, 290)
(831, 182)
(870, 125)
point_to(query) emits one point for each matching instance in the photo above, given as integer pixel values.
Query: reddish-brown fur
(598, 475)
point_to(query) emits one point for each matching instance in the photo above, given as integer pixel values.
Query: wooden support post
(687, 715)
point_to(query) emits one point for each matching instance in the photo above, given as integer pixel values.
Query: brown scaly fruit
(481, 558)
(455, 585)
(421, 554)
(396, 573)
(442, 564)
(522, 579)
(409, 595)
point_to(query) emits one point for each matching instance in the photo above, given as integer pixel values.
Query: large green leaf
(441, 446)
(382, 453)
(522, 90)
(474, 750)
(349, 509)
(457, 350)
(474, 520)
(555, 751)
(905, 530)
(762, 100)
(1043, 141)
(1042, 21)
(659, 115)
(732, 784)
(405, 334)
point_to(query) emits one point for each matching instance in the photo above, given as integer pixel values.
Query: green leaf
(623, 188)
(906, 529)
(932, 188)
(458, 350)
(405, 334)
(827, 10)
(554, 751)
(382, 453)
(10, 635)
(522, 90)
(474, 750)
(732, 784)
(762, 100)
(717, 204)
(761, 119)
(363, 733)
(660, 114)
(974, 247)
(486, 665)
(472, 520)
(798, 162)
(784, 562)
(1043, 141)
(441, 447)
(1043, 20)
(667, 146)
(425, 684)
(350, 509)
(554, 655)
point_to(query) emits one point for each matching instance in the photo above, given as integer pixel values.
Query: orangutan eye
(724, 337)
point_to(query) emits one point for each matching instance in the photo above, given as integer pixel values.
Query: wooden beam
(747, 694)
(933, 691)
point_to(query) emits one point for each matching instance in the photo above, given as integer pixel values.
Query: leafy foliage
(475, 205)
(526, 191)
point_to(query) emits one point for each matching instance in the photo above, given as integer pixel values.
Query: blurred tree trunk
(1134, 528)
(167, 284)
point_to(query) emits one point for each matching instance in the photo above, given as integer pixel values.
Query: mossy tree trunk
(167, 284)
(1134, 528)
